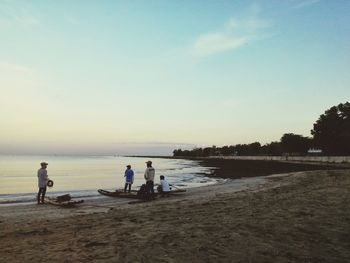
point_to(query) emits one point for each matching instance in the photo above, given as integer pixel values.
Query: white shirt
(149, 174)
(42, 177)
(165, 186)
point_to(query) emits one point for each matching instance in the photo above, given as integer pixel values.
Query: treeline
(331, 135)
(293, 144)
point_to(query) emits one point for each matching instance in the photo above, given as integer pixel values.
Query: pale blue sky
(145, 77)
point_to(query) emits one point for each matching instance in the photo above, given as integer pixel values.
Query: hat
(128, 165)
(150, 162)
(43, 163)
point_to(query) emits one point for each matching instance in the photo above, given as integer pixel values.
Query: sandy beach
(236, 113)
(292, 217)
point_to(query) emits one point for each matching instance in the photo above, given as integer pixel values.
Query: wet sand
(294, 217)
(232, 168)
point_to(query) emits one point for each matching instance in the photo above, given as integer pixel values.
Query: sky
(147, 77)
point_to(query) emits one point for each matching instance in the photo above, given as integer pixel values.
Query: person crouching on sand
(42, 181)
(164, 187)
(129, 178)
(149, 177)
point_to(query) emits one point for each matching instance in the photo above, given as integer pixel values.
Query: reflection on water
(84, 174)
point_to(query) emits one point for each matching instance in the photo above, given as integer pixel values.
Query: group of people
(149, 177)
(149, 174)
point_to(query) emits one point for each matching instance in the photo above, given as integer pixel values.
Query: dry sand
(295, 217)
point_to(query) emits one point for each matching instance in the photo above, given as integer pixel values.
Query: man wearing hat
(129, 177)
(149, 177)
(42, 180)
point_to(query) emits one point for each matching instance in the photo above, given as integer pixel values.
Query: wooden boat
(133, 194)
(64, 201)
(120, 193)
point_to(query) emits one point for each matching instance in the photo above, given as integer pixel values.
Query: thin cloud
(26, 19)
(7, 67)
(236, 33)
(10, 15)
(213, 43)
(305, 3)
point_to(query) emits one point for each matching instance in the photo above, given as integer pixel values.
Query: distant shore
(302, 159)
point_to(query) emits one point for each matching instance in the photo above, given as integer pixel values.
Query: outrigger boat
(134, 194)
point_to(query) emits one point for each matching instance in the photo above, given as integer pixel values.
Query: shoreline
(104, 204)
(234, 169)
(293, 217)
(218, 168)
(221, 168)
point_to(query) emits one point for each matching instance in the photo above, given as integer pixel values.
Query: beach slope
(295, 217)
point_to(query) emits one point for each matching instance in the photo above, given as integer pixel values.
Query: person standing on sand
(42, 181)
(149, 177)
(129, 178)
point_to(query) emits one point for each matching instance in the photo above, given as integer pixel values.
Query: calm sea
(81, 176)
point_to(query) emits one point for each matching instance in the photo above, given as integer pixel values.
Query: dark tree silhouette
(331, 133)
(248, 149)
(295, 144)
(177, 152)
(273, 149)
(332, 130)
(225, 150)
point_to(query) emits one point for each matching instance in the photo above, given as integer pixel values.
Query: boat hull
(121, 194)
(134, 195)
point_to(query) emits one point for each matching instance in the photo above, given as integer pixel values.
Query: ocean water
(81, 176)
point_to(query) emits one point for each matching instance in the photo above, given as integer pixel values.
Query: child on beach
(129, 178)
